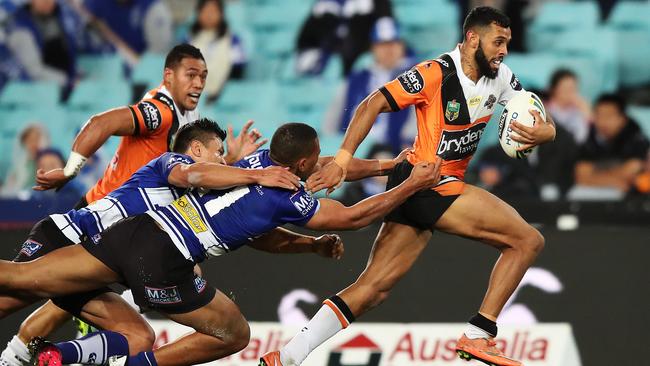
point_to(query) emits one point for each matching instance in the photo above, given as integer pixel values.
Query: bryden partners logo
(359, 351)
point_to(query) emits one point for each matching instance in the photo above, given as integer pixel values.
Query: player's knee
(241, 336)
(534, 242)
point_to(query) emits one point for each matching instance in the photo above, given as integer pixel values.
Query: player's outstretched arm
(285, 241)
(332, 215)
(219, 176)
(333, 173)
(357, 169)
(93, 135)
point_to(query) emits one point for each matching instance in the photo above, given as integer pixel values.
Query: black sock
(484, 323)
(343, 307)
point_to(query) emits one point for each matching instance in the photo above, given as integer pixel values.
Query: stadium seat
(555, 17)
(101, 67)
(17, 94)
(534, 70)
(429, 27)
(149, 70)
(92, 95)
(631, 22)
(599, 45)
(305, 100)
(333, 70)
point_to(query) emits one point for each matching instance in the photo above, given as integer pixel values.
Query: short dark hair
(483, 16)
(558, 76)
(202, 130)
(292, 142)
(181, 51)
(615, 99)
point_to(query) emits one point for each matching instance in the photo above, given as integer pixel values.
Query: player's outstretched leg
(94, 349)
(40, 323)
(519, 244)
(395, 250)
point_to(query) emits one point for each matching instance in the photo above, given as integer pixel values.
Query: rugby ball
(517, 109)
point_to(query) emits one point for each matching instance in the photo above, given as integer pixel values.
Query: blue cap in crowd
(385, 30)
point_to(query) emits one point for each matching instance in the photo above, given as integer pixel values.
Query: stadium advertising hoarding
(399, 344)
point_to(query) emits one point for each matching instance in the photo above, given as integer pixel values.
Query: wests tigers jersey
(156, 118)
(452, 111)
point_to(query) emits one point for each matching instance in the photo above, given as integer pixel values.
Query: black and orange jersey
(156, 120)
(452, 111)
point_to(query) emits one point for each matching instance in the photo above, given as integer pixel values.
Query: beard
(484, 64)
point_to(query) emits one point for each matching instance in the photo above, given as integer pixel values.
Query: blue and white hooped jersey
(147, 189)
(212, 223)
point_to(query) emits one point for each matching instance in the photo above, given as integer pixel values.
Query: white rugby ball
(517, 109)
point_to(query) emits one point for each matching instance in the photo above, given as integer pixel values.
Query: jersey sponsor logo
(163, 98)
(473, 102)
(199, 284)
(303, 202)
(190, 215)
(452, 111)
(489, 103)
(456, 145)
(254, 161)
(96, 238)
(150, 115)
(442, 62)
(30, 247)
(412, 81)
(177, 159)
(514, 83)
(165, 295)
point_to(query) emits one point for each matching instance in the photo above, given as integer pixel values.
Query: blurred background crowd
(272, 61)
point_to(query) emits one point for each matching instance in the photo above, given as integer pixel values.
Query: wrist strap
(342, 158)
(75, 162)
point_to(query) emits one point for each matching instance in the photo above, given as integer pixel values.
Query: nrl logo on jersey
(452, 111)
(30, 247)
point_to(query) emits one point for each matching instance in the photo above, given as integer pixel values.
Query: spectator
(222, 50)
(389, 55)
(43, 39)
(338, 27)
(362, 189)
(567, 107)
(615, 150)
(22, 172)
(132, 27)
(48, 159)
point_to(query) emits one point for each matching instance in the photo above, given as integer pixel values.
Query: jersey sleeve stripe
(136, 125)
(391, 101)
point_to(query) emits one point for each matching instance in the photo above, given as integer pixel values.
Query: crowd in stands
(334, 52)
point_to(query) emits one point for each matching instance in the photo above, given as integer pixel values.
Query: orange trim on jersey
(339, 314)
(453, 188)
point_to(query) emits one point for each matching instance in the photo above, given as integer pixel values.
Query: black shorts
(45, 237)
(158, 274)
(423, 209)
